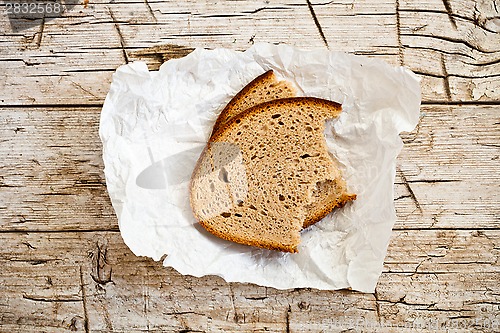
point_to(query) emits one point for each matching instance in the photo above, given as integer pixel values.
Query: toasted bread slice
(264, 88)
(261, 171)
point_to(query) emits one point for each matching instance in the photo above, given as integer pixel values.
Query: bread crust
(290, 100)
(244, 241)
(328, 208)
(267, 76)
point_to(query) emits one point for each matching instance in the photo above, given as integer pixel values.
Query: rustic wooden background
(63, 264)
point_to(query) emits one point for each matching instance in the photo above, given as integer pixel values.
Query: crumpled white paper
(154, 126)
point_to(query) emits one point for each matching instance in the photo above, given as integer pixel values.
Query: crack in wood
(56, 299)
(429, 48)
(446, 229)
(120, 36)
(419, 264)
(432, 181)
(402, 197)
(162, 53)
(481, 302)
(150, 10)
(447, 6)
(403, 301)
(177, 313)
(408, 187)
(316, 4)
(88, 184)
(435, 218)
(316, 22)
(378, 14)
(446, 81)
(218, 15)
(83, 89)
(145, 297)
(471, 262)
(377, 305)
(412, 273)
(31, 247)
(236, 316)
(59, 75)
(488, 145)
(73, 324)
(420, 28)
(40, 33)
(101, 269)
(255, 11)
(439, 76)
(453, 40)
(19, 129)
(486, 63)
(84, 300)
(34, 262)
(92, 70)
(9, 186)
(215, 34)
(398, 31)
(287, 323)
(61, 107)
(374, 53)
(261, 298)
(461, 103)
(56, 194)
(50, 231)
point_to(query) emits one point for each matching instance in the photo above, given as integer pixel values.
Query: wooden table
(63, 264)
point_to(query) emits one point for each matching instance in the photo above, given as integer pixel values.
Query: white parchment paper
(154, 126)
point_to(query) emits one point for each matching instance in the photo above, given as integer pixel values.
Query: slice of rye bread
(264, 88)
(258, 174)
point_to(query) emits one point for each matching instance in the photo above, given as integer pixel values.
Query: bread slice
(264, 88)
(262, 171)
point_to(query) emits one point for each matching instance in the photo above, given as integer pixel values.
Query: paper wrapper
(154, 126)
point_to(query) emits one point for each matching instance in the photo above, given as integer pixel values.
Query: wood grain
(64, 264)
(50, 157)
(75, 67)
(448, 172)
(95, 282)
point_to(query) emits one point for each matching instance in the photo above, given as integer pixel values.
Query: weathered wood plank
(40, 287)
(59, 273)
(451, 162)
(75, 67)
(51, 172)
(456, 63)
(48, 275)
(460, 44)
